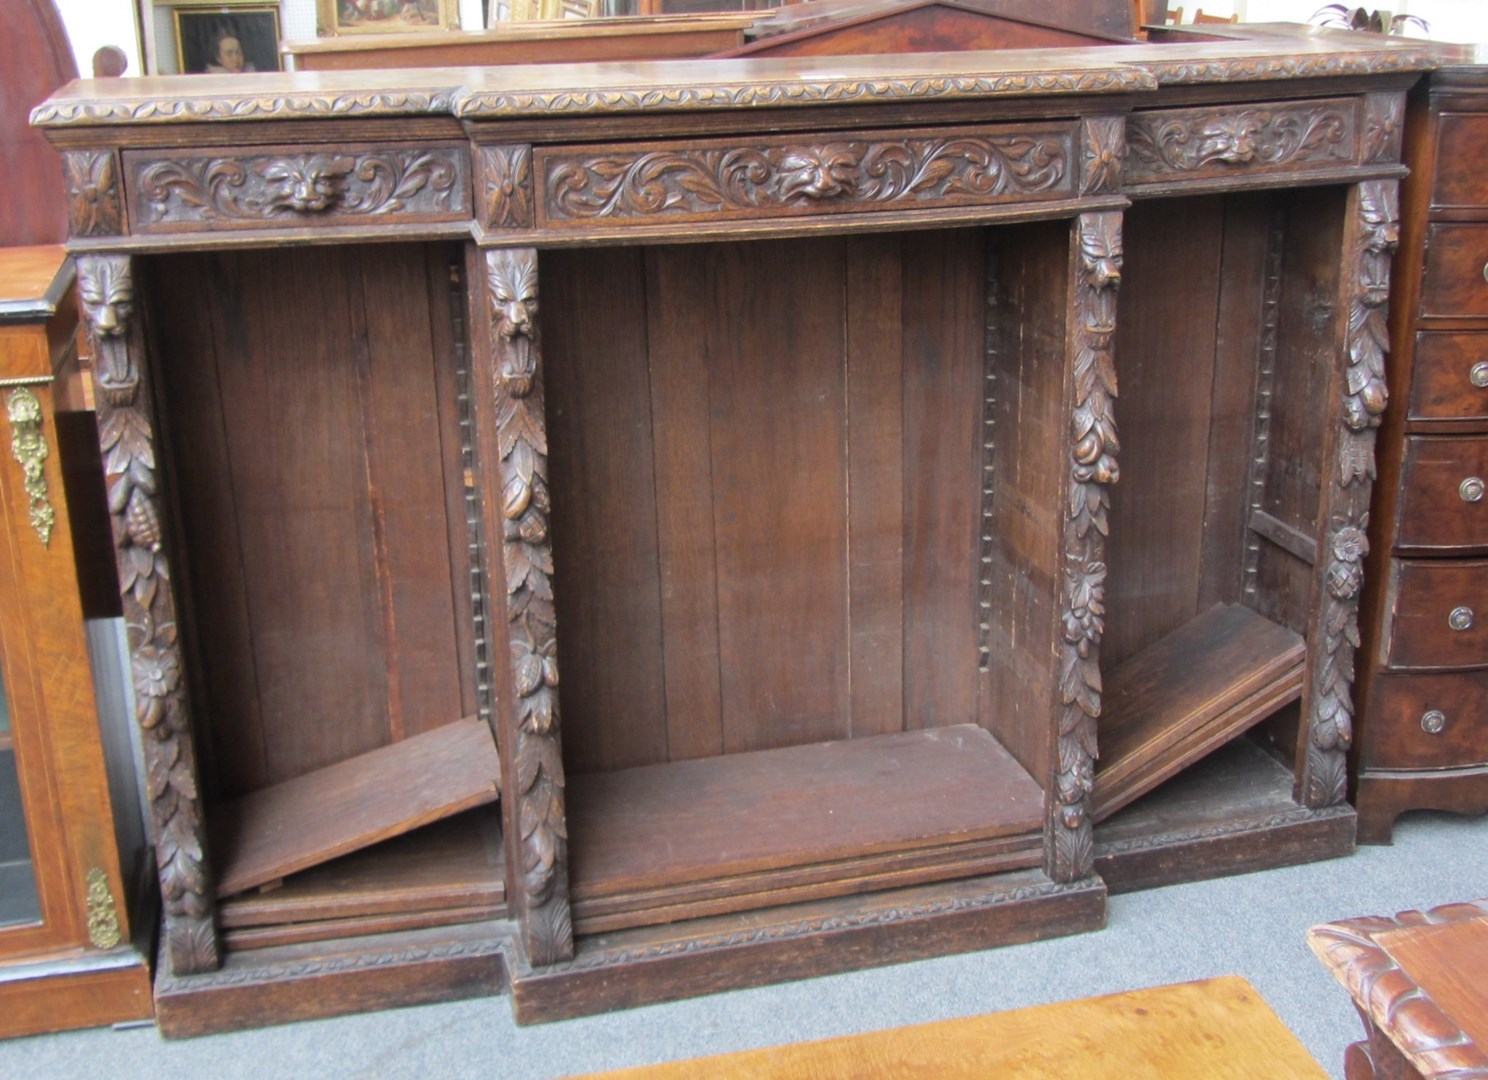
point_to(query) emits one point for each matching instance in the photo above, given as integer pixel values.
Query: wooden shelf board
(311, 819)
(861, 803)
(1208, 681)
(451, 864)
(304, 933)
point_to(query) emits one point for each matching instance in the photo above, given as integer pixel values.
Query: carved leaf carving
(701, 181)
(1196, 140)
(92, 180)
(126, 436)
(508, 184)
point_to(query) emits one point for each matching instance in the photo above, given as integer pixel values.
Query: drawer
(1455, 281)
(1438, 614)
(1427, 721)
(1462, 147)
(1444, 492)
(1450, 377)
(286, 187)
(1215, 142)
(716, 180)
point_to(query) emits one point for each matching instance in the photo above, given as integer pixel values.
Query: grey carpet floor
(1252, 925)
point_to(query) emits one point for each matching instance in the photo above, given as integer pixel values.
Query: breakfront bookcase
(780, 398)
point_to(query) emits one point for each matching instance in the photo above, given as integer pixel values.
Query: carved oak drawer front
(659, 183)
(290, 187)
(1456, 278)
(1462, 138)
(1450, 377)
(1439, 614)
(1205, 143)
(1444, 492)
(1428, 721)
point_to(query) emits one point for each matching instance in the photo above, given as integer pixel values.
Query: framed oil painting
(227, 40)
(385, 16)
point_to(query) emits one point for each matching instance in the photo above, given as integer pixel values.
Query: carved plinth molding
(1082, 590)
(1374, 233)
(126, 433)
(534, 791)
(851, 174)
(266, 189)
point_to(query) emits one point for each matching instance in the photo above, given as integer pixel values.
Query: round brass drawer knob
(1461, 618)
(1478, 374)
(1433, 722)
(1471, 489)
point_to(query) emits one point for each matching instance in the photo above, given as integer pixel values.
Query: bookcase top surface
(1239, 54)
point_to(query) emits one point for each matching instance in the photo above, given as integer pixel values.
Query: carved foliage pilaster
(93, 204)
(527, 554)
(1375, 235)
(1092, 470)
(127, 438)
(507, 178)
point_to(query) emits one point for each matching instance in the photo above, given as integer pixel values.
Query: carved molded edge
(94, 205)
(1082, 589)
(809, 927)
(530, 720)
(1432, 1040)
(797, 176)
(1374, 233)
(1260, 68)
(282, 186)
(189, 108)
(1170, 143)
(1260, 455)
(126, 435)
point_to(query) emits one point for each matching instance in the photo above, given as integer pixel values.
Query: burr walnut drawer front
(1444, 492)
(289, 187)
(1455, 281)
(1462, 145)
(1450, 379)
(1438, 614)
(660, 184)
(1428, 721)
(1212, 142)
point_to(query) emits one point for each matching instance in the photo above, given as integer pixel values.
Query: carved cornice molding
(163, 110)
(527, 554)
(126, 435)
(1433, 1041)
(847, 174)
(1289, 66)
(476, 105)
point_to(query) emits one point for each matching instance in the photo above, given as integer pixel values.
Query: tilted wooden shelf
(665, 842)
(450, 871)
(352, 804)
(1188, 693)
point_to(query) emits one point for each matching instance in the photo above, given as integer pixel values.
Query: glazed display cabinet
(778, 398)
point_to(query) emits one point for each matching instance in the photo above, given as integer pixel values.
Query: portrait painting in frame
(227, 40)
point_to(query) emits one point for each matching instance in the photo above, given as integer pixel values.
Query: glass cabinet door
(19, 902)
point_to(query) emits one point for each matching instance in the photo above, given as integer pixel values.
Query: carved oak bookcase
(806, 463)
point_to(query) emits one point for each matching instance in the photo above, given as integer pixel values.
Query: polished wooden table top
(1418, 980)
(1215, 1029)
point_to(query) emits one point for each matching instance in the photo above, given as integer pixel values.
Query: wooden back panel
(765, 463)
(327, 572)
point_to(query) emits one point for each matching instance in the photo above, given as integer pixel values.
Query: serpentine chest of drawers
(807, 466)
(1424, 683)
